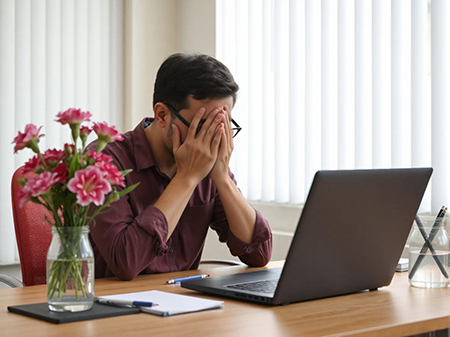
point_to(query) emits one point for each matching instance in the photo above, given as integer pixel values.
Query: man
(180, 157)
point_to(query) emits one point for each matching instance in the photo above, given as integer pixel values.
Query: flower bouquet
(66, 182)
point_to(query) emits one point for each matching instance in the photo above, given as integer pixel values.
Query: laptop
(349, 238)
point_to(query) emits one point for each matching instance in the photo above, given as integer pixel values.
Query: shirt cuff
(261, 234)
(154, 222)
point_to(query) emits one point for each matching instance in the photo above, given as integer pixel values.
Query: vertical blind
(54, 54)
(337, 84)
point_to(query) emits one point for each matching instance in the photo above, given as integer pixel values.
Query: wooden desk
(392, 311)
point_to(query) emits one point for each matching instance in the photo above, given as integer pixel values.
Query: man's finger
(218, 140)
(194, 124)
(210, 125)
(228, 130)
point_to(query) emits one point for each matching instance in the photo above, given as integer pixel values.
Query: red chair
(33, 235)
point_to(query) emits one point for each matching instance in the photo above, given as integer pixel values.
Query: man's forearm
(240, 215)
(174, 199)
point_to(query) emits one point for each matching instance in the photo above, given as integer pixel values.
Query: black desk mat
(42, 312)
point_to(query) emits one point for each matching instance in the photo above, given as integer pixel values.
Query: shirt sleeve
(255, 254)
(129, 243)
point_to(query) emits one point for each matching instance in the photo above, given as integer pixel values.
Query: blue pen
(181, 279)
(125, 303)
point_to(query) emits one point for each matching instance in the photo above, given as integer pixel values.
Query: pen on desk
(181, 279)
(424, 249)
(125, 303)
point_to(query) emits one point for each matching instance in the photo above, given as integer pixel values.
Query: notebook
(349, 238)
(168, 304)
(402, 265)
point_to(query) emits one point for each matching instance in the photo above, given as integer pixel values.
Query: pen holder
(429, 250)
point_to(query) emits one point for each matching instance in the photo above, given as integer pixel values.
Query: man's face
(194, 105)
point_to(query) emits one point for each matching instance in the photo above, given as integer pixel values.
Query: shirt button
(171, 251)
(249, 249)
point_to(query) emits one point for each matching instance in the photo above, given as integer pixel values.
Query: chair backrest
(33, 235)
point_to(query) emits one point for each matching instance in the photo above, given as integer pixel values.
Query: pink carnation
(36, 186)
(111, 173)
(73, 116)
(23, 139)
(106, 132)
(53, 157)
(32, 165)
(62, 172)
(90, 186)
(85, 130)
(98, 156)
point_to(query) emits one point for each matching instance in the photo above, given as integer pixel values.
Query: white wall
(150, 36)
(196, 30)
(155, 29)
(283, 220)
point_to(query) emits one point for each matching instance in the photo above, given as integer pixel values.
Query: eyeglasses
(235, 130)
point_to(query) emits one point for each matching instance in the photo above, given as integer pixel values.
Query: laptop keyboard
(267, 286)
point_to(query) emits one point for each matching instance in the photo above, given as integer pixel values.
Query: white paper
(168, 303)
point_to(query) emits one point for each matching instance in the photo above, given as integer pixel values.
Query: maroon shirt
(130, 239)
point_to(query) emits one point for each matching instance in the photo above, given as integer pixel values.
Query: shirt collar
(142, 152)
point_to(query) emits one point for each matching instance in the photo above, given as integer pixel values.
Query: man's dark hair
(199, 75)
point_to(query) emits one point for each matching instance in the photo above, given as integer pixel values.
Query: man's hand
(197, 155)
(219, 172)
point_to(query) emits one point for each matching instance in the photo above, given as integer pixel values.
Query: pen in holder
(429, 249)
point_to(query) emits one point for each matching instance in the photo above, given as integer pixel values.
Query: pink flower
(62, 172)
(90, 186)
(23, 196)
(85, 130)
(98, 157)
(53, 157)
(84, 133)
(73, 116)
(106, 132)
(25, 139)
(111, 173)
(34, 164)
(36, 186)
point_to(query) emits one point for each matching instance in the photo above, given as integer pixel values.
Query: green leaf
(22, 182)
(39, 202)
(128, 189)
(106, 210)
(48, 220)
(58, 199)
(125, 172)
(74, 163)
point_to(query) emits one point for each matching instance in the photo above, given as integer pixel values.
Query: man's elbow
(264, 260)
(125, 275)
(257, 260)
(251, 262)
(125, 272)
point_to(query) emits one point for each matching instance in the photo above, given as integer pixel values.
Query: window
(54, 55)
(337, 84)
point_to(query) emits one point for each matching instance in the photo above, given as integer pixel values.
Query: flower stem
(43, 161)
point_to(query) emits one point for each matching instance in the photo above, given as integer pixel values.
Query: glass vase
(70, 270)
(429, 249)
